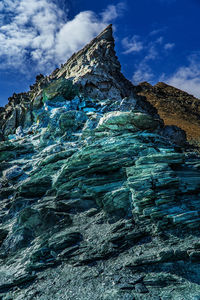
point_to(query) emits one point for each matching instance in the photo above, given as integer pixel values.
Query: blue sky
(156, 40)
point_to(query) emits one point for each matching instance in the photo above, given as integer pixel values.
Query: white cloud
(159, 40)
(148, 49)
(84, 26)
(152, 53)
(169, 46)
(113, 11)
(1, 6)
(187, 78)
(31, 26)
(143, 73)
(38, 33)
(157, 31)
(132, 45)
(143, 70)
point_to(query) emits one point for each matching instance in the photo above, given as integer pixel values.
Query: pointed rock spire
(97, 70)
(95, 65)
(103, 45)
(106, 34)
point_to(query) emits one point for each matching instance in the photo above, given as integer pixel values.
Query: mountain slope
(97, 200)
(175, 107)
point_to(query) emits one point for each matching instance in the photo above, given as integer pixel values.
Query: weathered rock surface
(98, 200)
(175, 107)
(93, 72)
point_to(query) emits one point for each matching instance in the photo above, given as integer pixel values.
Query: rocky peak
(97, 69)
(94, 71)
(93, 193)
(175, 107)
(92, 56)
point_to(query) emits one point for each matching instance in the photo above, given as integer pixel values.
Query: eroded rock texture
(96, 73)
(175, 107)
(97, 199)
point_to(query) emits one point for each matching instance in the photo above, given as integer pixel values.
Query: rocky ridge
(97, 201)
(96, 72)
(175, 107)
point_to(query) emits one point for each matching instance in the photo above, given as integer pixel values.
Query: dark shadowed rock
(35, 187)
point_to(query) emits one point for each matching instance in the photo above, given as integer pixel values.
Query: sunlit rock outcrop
(97, 199)
(175, 107)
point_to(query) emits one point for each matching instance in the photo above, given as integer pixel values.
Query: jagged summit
(96, 72)
(97, 69)
(99, 50)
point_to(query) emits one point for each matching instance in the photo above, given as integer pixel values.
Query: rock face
(97, 199)
(95, 72)
(175, 107)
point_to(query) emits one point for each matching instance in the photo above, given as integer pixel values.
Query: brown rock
(175, 107)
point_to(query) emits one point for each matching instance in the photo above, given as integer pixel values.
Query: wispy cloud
(157, 31)
(187, 77)
(112, 12)
(146, 49)
(169, 46)
(142, 73)
(132, 45)
(39, 33)
(143, 70)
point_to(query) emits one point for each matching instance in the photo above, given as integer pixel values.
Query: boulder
(13, 173)
(117, 202)
(18, 239)
(175, 134)
(35, 187)
(64, 240)
(132, 121)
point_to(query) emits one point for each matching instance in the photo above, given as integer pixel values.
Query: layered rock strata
(96, 72)
(96, 200)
